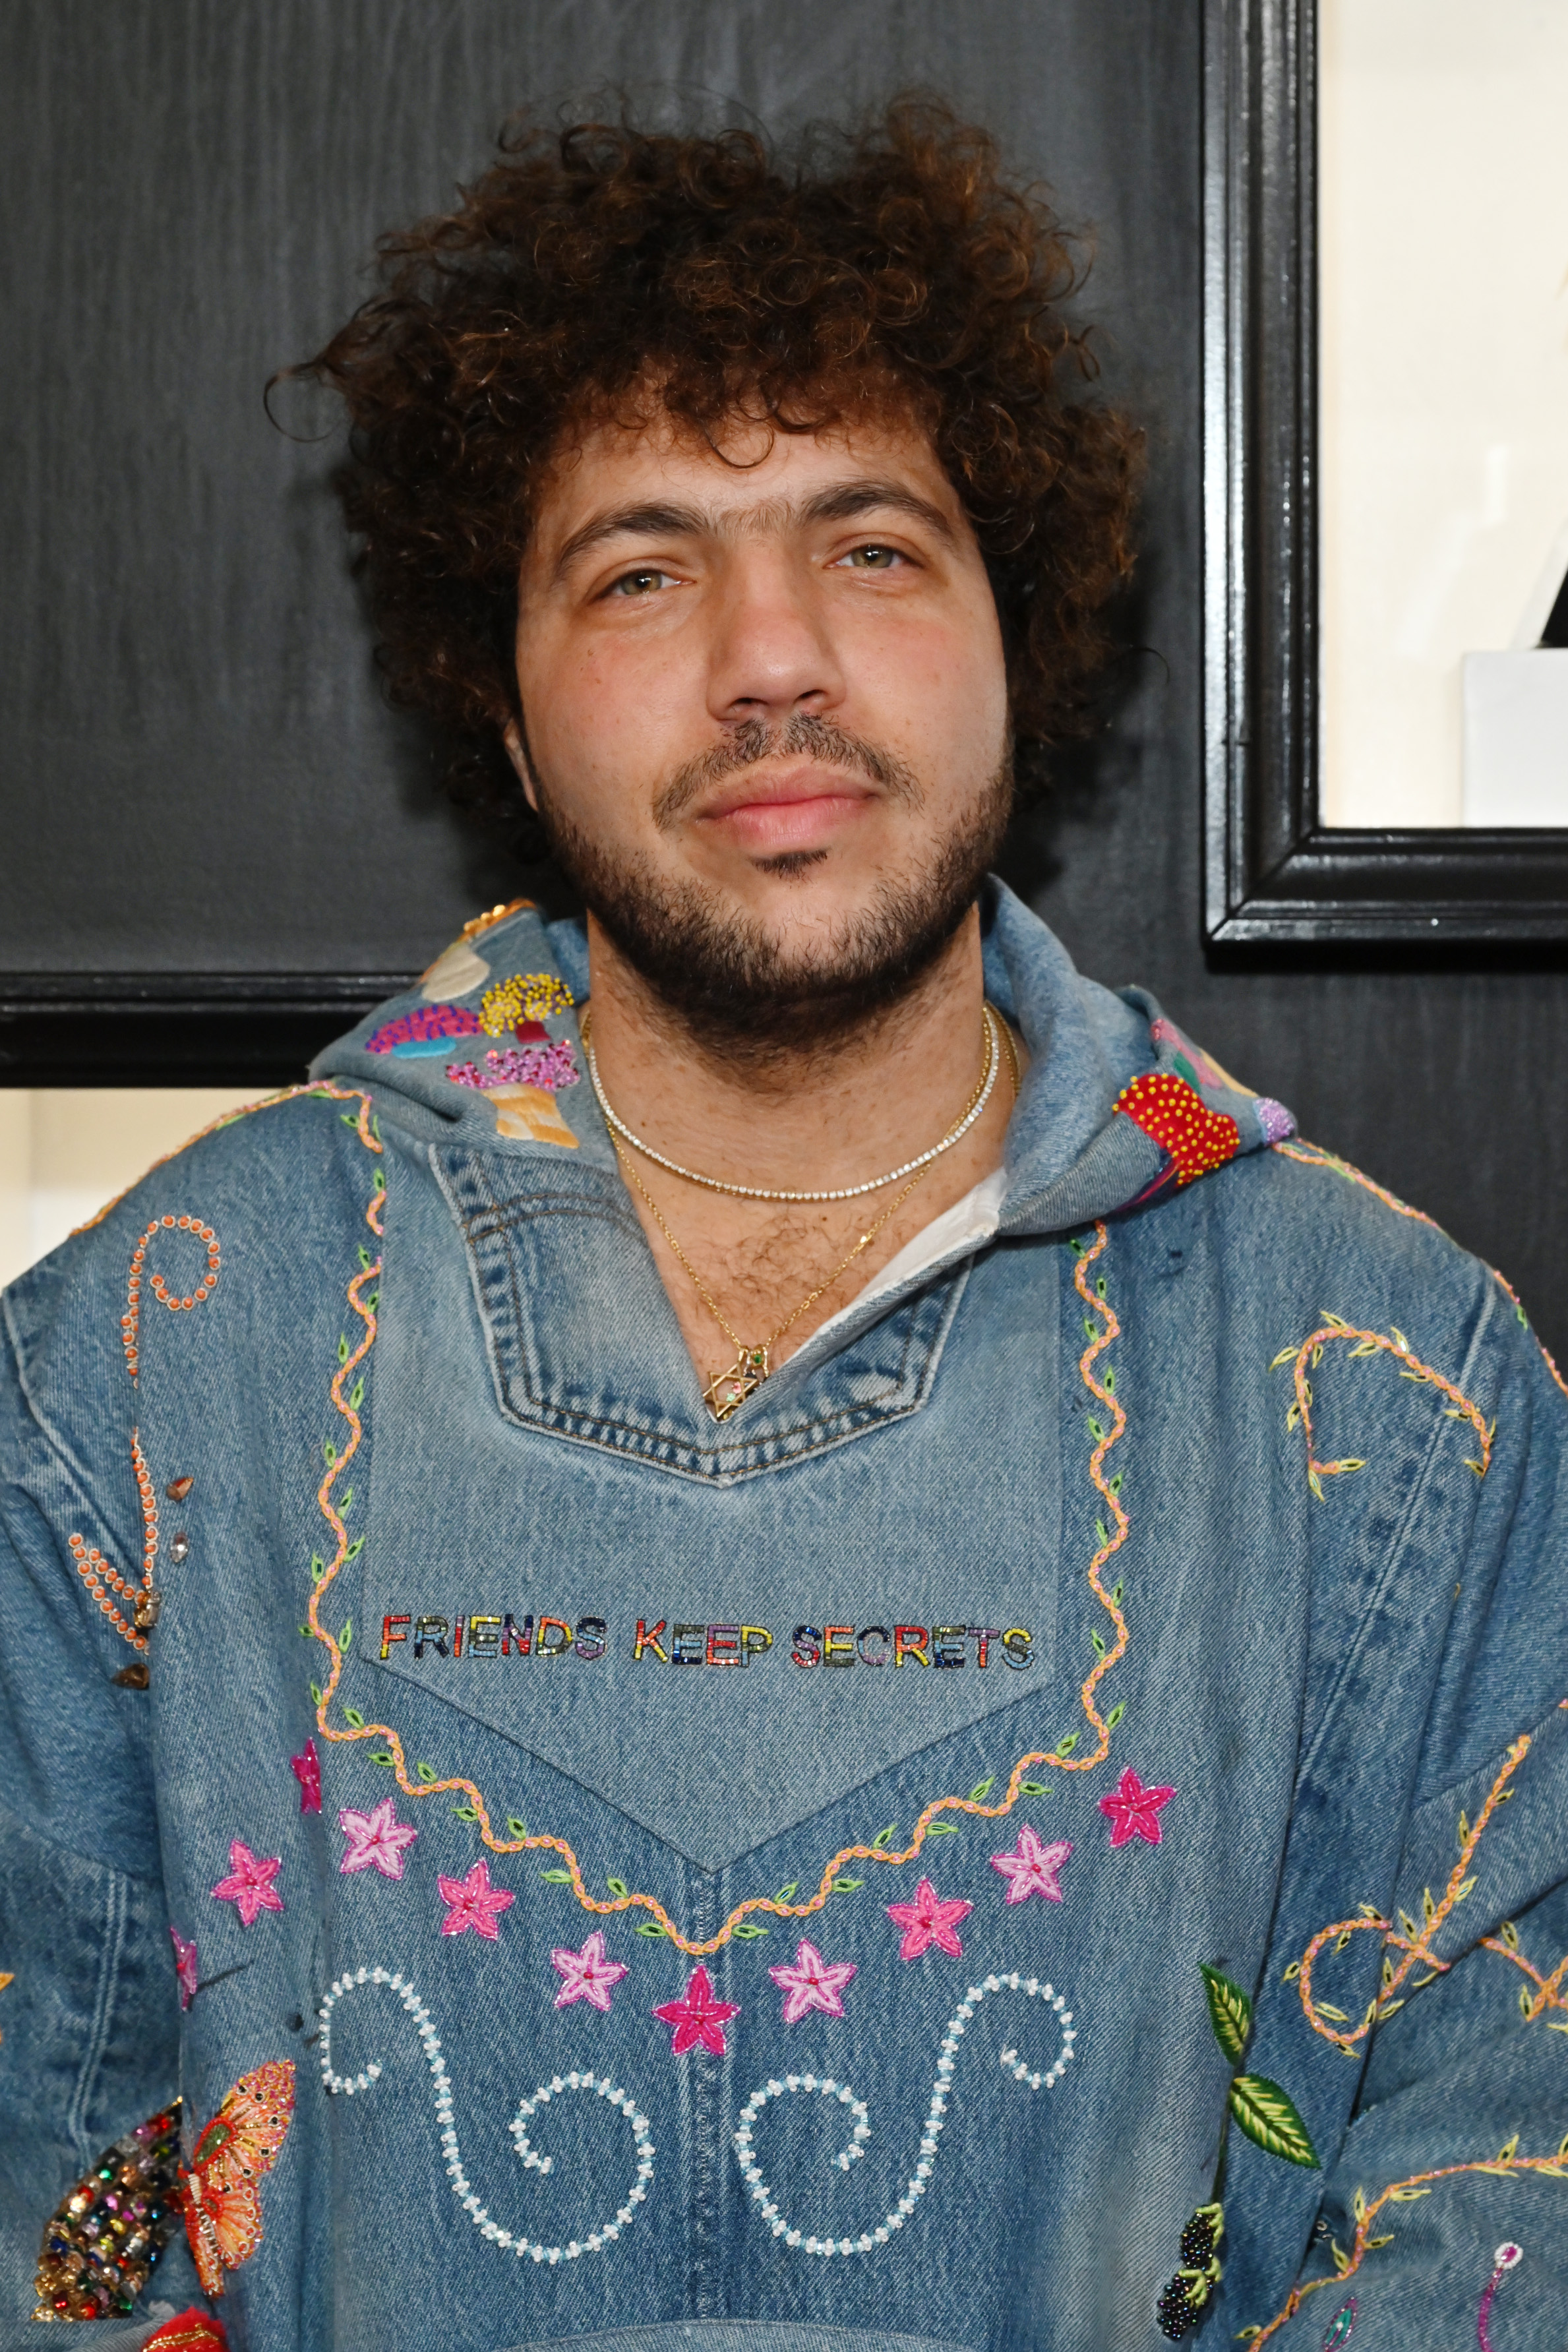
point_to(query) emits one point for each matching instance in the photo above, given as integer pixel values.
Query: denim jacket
(1046, 1826)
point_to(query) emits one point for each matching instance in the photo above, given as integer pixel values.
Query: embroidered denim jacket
(1082, 1747)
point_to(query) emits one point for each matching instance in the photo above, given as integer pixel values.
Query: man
(774, 1627)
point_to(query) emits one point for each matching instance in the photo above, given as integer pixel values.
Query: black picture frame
(1275, 875)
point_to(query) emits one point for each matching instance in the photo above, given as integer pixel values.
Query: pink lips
(800, 809)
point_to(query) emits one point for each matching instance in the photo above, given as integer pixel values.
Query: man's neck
(819, 1119)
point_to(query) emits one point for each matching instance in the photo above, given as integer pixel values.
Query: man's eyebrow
(654, 519)
(849, 499)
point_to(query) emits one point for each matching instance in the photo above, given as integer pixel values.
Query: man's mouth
(781, 810)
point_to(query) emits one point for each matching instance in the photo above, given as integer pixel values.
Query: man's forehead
(750, 479)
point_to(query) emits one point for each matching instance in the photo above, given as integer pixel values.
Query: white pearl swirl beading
(827, 2087)
(347, 2084)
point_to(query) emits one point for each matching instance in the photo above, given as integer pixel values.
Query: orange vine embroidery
(1416, 1946)
(1313, 1155)
(1396, 1344)
(1403, 2192)
(1061, 1757)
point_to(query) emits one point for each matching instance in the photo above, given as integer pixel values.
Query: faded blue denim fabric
(952, 2118)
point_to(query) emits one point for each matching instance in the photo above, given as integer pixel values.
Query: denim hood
(1044, 1832)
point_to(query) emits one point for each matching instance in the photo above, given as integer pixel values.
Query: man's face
(765, 710)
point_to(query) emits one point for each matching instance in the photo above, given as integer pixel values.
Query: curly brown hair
(594, 268)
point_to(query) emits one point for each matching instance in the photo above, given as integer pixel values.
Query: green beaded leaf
(1230, 2012)
(1268, 2114)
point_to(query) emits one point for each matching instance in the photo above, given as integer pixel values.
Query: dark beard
(735, 991)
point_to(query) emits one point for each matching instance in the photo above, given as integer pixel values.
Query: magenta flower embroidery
(185, 1966)
(1133, 1811)
(307, 1770)
(376, 1839)
(587, 1975)
(926, 1921)
(249, 1885)
(1032, 1868)
(812, 1983)
(698, 2017)
(473, 1902)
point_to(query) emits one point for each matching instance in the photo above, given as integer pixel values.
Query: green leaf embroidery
(1230, 2012)
(650, 1928)
(1268, 2114)
(356, 1394)
(318, 1567)
(748, 1929)
(365, 1258)
(978, 1796)
(1064, 1746)
(1117, 1712)
(942, 1829)
(307, 1633)
(382, 1756)
(1100, 1286)
(426, 1771)
(787, 1894)
(353, 1550)
(1101, 1531)
(847, 1885)
(1095, 1430)
(517, 1827)
(345, 1501)
(1090, 1328)
(346, 1636)
(1116, 1592)
(1115, 1483)
(1098, 1639)
(315, 1692)
(557, 1877)
(885, 1837)
(353, 1718)
(617, 1887)
(329, 1452)
(1109, 1382)
(1034, 1788)
(343, 1349)
(466, 1813)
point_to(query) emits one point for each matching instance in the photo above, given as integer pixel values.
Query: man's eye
(646, 582)
(873, 559)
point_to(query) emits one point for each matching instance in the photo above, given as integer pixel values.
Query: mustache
(801, 736)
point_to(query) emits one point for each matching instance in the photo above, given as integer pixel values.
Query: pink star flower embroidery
(249, 1885)
(473, 1902)
(587, 1975)
(926, 1921)
(696, 2016)
(184, 1967)
(812, 1983)
(376, 1839)
(1032, 1868)
(307, 1770)
(1134, 1810)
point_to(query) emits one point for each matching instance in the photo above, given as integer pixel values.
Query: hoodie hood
(485, 1049)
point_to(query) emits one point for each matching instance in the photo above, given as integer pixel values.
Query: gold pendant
(730, 1388)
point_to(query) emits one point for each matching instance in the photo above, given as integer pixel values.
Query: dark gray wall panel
(195, 772)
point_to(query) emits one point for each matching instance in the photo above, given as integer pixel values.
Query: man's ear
(517, 752)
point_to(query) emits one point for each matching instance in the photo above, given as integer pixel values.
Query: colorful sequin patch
(1194, 1138)
(426, 1029)
(223, 2180)
(105, 2238)
(527, 996)
(551, 1066)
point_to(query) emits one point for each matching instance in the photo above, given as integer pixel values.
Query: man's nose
(772, 652)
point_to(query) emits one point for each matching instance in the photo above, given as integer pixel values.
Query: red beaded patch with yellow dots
(1181, 1123)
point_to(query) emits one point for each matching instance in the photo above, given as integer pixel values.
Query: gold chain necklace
(734, 1383)
(729, 1388)
(991, 1025)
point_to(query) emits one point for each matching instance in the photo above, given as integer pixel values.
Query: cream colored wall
(65, 1151)
(1443, 173)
